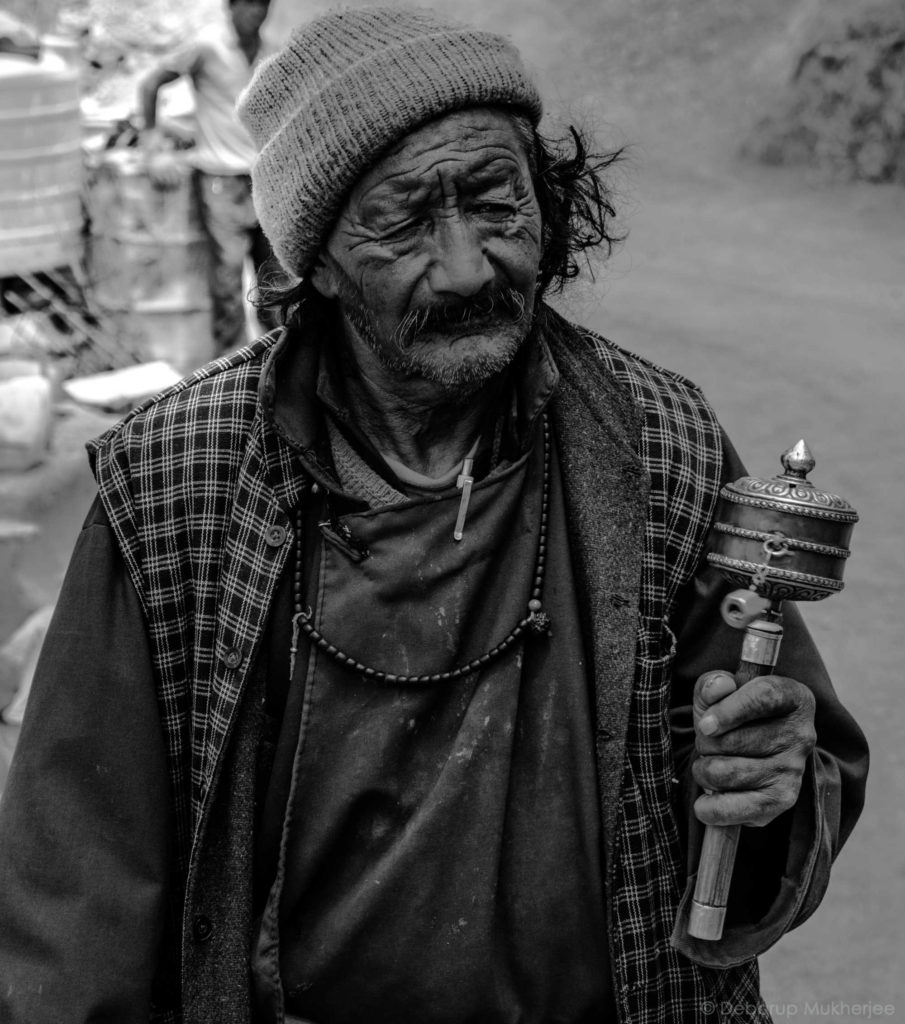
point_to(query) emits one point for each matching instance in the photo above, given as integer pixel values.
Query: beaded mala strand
(537, 620)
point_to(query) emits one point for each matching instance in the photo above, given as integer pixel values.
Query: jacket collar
(303, 380)
(598, 427)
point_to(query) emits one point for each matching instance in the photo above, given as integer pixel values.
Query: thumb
(711, 688)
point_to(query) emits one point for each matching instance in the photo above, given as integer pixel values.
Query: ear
(323, 278)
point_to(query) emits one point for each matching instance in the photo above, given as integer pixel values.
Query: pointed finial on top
(798, 461)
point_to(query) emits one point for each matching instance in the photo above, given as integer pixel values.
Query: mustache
(497, 304)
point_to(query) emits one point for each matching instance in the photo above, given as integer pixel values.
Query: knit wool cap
(346, 87)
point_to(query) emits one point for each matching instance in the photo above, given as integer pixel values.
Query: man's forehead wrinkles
(396, 183)
(495, 164)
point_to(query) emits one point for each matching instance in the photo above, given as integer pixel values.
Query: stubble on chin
(453, 355)
(465, 365)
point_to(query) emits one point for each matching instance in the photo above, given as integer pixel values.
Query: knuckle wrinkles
(739, 741)
(768, 804)
(706, 745)
(786, 793)
(718, 773)
(774, 694)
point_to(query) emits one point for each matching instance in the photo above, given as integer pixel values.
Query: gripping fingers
(746, 791)
(754, 809)
(710, 689)
(767, 697)
(768, 717)
(753, 743)
(758, 740)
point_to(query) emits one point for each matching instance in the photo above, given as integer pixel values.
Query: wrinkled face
(434, 259)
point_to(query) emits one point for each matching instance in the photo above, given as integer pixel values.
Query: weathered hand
(753, 743)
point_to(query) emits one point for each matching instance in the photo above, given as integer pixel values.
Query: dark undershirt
(444, 851)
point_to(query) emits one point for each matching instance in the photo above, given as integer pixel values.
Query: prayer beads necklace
(537, 620)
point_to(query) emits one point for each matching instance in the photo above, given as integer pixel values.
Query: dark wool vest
(199, 488)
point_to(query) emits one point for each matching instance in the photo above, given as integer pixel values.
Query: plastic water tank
(40, 164)
(148, 260)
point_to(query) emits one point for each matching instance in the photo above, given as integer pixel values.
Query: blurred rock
(842, 106)
(25, 333)
(41, 513)
(119, 390)
(26, 414)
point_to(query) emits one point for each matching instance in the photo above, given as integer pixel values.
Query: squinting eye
(495, 210)
(404, 230)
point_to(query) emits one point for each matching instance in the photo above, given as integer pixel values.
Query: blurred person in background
(388, 682)
(219, 62)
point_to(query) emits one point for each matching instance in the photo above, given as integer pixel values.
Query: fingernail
(716, 677)
(708, 725)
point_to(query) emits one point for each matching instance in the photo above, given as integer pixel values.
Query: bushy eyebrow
(498, 170)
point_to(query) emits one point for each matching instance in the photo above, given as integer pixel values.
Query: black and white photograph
(451, 485)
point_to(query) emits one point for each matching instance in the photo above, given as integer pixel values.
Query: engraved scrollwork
(835, 515)
(793, 543)
(778, 592)
(789, 490)
(780, 584)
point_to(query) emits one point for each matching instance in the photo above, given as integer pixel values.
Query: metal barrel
(785, 533)
(40, 164)
(148, 260)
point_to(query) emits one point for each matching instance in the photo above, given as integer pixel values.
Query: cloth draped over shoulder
(200, 489)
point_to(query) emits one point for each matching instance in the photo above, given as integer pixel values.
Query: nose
(460, 265)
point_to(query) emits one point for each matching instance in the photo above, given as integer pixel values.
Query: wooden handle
(760, 650)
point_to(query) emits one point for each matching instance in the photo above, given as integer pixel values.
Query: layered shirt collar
(304, 382)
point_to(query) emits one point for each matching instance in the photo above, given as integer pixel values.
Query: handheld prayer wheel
(781, 539)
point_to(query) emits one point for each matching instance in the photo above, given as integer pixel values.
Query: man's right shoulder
(208, 407)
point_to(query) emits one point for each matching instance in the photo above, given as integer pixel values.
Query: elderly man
(386, 675)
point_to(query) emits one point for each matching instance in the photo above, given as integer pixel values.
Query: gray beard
(505, 312)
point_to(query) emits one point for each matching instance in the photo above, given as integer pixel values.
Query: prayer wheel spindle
(781, 539)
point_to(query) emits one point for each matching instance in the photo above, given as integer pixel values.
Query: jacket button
(202, 928)
(233, 658)
(275, 536)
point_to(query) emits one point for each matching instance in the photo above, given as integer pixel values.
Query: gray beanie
(347, 86)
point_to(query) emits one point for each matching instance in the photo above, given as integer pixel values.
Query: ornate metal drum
(783, 537)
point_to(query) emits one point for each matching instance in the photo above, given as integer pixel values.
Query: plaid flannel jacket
(199, 488)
